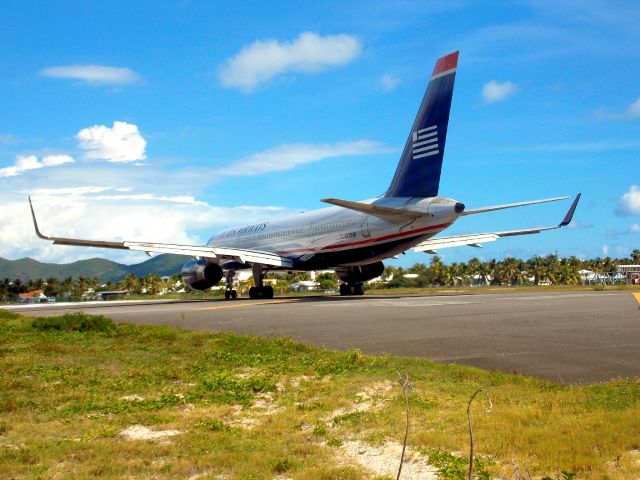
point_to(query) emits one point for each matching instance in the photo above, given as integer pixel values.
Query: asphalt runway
(571, 337)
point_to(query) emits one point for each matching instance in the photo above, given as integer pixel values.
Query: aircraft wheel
(227, 294)
(358, 289)
(344, 289)
(268, 292)
(234, 294)
(253, 293)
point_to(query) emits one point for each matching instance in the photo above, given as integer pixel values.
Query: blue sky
(167, 121)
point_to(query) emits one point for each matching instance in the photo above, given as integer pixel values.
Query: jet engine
(360, 274)
(200, 275)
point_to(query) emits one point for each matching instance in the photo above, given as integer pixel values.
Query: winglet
(35, 223)
(569, 216)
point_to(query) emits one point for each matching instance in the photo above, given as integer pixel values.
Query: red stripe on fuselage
(369, 240)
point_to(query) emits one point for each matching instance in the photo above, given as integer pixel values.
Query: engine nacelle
(200, 275)
(360, 274)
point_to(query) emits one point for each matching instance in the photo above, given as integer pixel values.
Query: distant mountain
(162, 265)
(105, 270)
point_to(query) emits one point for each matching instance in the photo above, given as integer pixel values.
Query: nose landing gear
(230, 293)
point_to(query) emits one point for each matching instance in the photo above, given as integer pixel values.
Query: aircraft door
(313, 232)
(364, 226)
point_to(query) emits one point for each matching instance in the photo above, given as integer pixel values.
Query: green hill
(162, 265)
(105, 270)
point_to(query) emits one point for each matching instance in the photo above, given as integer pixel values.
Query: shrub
(78, 322)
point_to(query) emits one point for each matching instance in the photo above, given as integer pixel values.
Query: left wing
(474, 240)
(251, 256)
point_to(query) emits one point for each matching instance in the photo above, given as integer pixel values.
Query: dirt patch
(248, 372)
(296, 381)
(133, 398)
(246, 423)
(264, 405)
(370, 398)
(627, 462)
(384, 460)
(139, 432)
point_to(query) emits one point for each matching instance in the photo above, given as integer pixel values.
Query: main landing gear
(260, 290)
(230, 293)
(351, 289)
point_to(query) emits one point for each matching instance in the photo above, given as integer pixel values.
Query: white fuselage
(338, 236)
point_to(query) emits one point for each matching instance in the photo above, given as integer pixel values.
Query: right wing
(493, 208)
(474, 240)
(245, 256)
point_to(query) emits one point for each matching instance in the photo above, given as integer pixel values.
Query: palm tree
(508, 270)
(607, 264)
(473, 266)
(130, 283)
(153, 284)
(539, 268)
(4, 288)
(458, 273)
(438, 271)
(635, 256)
(566, 274)
(52, 288)
(484, 270)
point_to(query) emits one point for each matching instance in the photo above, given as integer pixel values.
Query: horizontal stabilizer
(493, 208)
(374, 210)
(474, 240)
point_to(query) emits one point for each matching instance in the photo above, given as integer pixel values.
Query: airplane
(350, 237)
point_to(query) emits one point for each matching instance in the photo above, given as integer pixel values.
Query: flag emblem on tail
(425, 142)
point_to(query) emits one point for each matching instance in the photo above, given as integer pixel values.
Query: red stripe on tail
(446, 63)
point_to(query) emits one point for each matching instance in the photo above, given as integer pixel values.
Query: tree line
(77, 287)
(550, 269)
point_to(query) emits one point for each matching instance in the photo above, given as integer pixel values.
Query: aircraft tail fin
(418, 172)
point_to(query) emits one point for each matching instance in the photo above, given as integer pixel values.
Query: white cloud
(605, 250)
(494, 91)
(389, 82)
(120, 143)
(629, 203)
(66, 191)
(630, 113)
(309, 53)
(289, 156)
(578, 225)
(93, 74)
(7, 139)
(634, 228)
(633, 110)
(91, 212)
(55, 160)
(30, 162)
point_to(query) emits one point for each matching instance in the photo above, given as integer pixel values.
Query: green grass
(254, 408)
